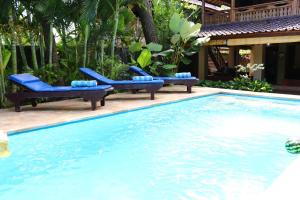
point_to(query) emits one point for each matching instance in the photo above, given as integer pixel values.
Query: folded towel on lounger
(183, 75)
(142, 78)
(84, 83)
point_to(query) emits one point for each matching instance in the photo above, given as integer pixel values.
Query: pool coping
(49, 125)
(280, 187)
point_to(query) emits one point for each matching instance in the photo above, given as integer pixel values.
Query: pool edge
(213, 91)
(81, 119)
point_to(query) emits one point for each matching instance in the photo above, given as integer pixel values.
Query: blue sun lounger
(32, 88)
(149, 86)
(189, 82)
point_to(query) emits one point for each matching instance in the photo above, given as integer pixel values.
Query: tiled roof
(291, 23)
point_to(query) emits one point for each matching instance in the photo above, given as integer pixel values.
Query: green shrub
(239, 84)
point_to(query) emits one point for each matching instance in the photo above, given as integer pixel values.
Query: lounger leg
(152, 95)
(94, 104)
(17, 107)
(189, 89)
(33, 103)
(103, 101)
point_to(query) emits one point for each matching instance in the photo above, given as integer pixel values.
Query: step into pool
(218, 147)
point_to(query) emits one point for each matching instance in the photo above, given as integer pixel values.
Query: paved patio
(75, 109)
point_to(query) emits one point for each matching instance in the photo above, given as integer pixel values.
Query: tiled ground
(69, 110)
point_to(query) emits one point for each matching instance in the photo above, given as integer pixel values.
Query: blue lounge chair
(32, 88)
(149, 86)
(189, 82)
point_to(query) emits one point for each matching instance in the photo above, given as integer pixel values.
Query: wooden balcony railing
(255, 12)
(263, 11)
(217, 18)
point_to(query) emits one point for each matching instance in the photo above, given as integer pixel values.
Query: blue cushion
(84, 83)
(35, 84)
(23, 78)
(69, 88)
(138, 70)
(38, 86)
(142, 78)
(173, 78)
(31, 82)
(183, 75)
(107, 81)
(97, 76)
(137, 82)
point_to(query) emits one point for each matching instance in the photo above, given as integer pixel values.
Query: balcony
(256, 12)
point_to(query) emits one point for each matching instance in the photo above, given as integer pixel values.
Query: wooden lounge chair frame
(188, 82)
(25, 94)
(148, 86)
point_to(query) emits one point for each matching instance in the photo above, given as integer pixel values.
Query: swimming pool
(215, 147)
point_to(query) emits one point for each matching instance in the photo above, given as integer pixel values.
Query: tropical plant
(249, 68)
(185, 41)
(239, 83)
(150, 57)
(163, 11)
(63, 35)
(4, 59)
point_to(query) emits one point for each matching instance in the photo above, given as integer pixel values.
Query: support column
(258, 57)
(231, 57)
(258, 54)
(281, 63)
(203, 67)
(203, 12)
(232, 11)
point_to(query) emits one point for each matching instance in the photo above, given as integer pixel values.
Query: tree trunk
(2, 83)
(32, 44)
(86, 38)
(33, 52)
(76, 53)
(13, 46)
(146, 18)
(50, 59)
(64, 41)
(23, 56)
(102, 55)
(42, 49)
(46, 32)
(116, 21)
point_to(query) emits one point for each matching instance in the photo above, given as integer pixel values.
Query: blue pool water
(219, 147)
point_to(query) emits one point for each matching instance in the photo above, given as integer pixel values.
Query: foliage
(4, 59)
(163, 11)
(150, 57)
(113, 69)
(63, 35)
(239, 84)
(185, 41)
(249, 68)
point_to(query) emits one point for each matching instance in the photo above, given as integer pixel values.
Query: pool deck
(285, 187)
(71, 110)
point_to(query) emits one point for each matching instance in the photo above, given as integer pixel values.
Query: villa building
(269, 30)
